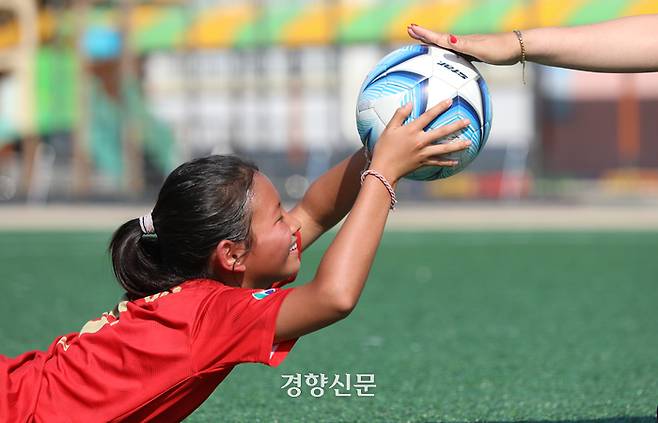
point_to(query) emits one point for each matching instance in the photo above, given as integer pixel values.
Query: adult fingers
(460, 44)
(429, 37)
(400, 115)
(423, 120)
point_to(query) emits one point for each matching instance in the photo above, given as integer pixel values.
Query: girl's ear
(230, 256)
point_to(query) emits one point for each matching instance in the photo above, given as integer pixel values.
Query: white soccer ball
(426, 75)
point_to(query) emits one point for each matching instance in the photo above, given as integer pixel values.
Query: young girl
(202, 275)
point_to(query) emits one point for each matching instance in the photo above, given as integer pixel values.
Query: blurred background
(100, 100)
(555, 322)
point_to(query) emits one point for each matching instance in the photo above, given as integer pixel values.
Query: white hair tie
(146, 223)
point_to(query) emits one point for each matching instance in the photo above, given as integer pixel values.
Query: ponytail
(200, 203)
(136, 261)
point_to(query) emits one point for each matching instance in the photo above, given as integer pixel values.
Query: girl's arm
(329, 198)
(621, 45)
(344, 268)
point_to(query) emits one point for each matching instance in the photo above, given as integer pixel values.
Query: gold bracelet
(519, 35)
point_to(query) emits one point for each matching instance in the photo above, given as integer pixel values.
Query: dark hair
(200, 203)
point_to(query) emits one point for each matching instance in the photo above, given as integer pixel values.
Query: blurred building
(101, 99)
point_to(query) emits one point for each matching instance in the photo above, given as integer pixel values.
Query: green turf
(455, 326)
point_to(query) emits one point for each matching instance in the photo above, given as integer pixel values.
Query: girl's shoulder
(188, 290)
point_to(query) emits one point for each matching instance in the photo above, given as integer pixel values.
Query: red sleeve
(237, 325)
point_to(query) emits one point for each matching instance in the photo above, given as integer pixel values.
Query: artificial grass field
(456, 327)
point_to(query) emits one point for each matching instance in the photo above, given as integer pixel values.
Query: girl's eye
(280, 219)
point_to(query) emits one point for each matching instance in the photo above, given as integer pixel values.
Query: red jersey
(154, 359)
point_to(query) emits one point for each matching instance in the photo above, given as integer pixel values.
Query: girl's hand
(496, 49)
(401, 149)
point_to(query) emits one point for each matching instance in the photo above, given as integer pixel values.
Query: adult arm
(621, 45)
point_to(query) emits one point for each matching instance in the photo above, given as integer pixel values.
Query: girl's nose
(294, 224)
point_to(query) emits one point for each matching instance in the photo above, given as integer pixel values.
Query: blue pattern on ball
(412, 87)
(392, 83)
(393, 59)
(486, 110)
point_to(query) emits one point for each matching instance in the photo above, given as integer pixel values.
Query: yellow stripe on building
(346, 12)
(438, 15)
(217, 27)
(552, 12)
(144, 16)
(315, 25)
(9, 35)
(642, 7)
(519, 17)
(413, 14)
(442, 14)
(47, 25)
(463, 185)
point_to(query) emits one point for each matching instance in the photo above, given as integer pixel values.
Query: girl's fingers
(426, 118)
(444, 163)
(442, 131)
(400, 115)
(440, 149)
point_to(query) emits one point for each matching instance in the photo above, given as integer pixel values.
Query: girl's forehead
(266, 197)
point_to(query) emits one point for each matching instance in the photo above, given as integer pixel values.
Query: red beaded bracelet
(388, 186)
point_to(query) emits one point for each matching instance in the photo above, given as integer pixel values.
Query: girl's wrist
(384, 171)
(391, 191)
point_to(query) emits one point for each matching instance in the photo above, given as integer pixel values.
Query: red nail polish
(453, 39)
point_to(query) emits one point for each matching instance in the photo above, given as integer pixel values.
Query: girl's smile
(273, 253)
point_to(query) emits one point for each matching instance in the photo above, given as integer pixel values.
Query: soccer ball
(426, 75)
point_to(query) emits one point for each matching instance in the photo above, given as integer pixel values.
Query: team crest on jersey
(262, 294)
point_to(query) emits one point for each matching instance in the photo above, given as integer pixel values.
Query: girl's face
(273, 254)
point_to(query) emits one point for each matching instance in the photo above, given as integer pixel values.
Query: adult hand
(496, 49)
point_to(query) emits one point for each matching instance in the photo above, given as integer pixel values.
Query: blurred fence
(99, 100)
